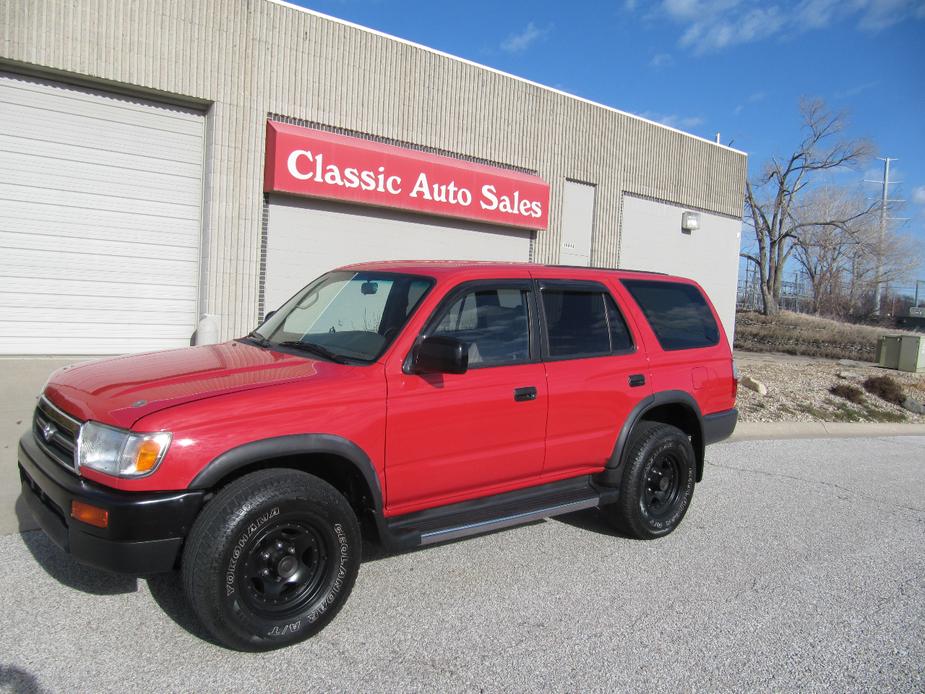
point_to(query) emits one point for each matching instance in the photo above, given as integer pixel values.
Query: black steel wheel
(658, 482)
(285, 568)
(271, 559)
(662, 484)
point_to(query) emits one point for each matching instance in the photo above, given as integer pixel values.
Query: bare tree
(899, 257)
(771, 200)
(840, 259)
(831, 254)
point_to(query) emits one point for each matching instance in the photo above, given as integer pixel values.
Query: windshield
(346, 315)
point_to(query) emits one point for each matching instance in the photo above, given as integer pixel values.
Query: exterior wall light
(690, 221)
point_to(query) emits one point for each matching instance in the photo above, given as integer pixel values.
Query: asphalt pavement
(800, 566)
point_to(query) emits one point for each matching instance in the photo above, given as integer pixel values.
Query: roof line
(299, 8)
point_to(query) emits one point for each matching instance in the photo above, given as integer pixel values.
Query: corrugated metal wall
(254, 57)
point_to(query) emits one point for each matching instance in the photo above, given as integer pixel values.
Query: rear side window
(678, 313)
(583, 324)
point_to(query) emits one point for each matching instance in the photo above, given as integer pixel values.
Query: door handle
(525, 393)
(637, 380)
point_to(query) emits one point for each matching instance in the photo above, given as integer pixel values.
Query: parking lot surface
(801, 565)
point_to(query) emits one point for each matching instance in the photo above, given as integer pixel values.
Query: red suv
(426, 401)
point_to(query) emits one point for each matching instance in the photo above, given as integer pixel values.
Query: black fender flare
(613, 468)
(282, 446)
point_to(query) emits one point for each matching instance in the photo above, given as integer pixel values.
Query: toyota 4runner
(423, 401)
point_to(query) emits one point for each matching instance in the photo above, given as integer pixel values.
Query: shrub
(848, 392)
(886, 388)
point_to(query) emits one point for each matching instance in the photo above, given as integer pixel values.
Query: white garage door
(100, 216)
(306, 238)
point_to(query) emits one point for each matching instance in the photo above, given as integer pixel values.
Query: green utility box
(912, 353)
(888, 348)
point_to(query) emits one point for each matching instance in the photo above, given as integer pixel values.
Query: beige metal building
(134, 160)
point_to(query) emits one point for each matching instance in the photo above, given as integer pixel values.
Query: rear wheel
(271, 559)
(658, 482)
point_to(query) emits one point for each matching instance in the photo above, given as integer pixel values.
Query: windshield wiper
(314, 349)
(254, 336)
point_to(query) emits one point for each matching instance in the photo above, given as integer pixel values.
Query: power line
(884, 201)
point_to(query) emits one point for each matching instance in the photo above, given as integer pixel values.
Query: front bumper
(145, 532)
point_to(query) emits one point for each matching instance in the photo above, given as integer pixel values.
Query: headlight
(119, 452)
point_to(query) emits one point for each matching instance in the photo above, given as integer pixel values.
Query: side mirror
(439, 354)
(269, 315)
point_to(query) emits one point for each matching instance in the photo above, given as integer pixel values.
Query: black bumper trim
(719, 426)
(146, 529)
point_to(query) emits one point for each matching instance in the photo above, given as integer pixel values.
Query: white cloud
(816, 14)
(661, 60)
(522, 40)
(918, 195)
(715, 33)
(712, 25)
(881, 14)
(752, 98)
(675, 120)
(855, 90)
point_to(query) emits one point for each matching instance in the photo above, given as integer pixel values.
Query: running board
(496, 512)
(505, 522)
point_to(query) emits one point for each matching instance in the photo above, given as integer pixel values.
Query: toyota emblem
(48, 431)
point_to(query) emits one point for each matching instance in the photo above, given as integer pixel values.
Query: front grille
(56, 432)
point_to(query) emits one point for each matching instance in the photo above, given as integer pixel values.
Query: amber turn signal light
(90, 514)
(149, 452)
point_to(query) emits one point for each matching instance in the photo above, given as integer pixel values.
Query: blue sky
(736, 67)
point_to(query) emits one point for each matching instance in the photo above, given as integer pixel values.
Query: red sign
(302, 161)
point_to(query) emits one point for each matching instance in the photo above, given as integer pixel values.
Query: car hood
(122, 390)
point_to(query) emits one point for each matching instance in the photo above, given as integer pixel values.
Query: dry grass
(885, 388)
(798, 333)
(848, 392)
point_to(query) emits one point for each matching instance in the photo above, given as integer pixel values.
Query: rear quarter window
(678, 313)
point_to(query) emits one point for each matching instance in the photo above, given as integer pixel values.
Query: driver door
(450, 437)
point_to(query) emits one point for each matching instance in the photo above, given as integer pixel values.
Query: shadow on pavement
(589, 519)
(64, 568)
(15, 679)
(167, 591)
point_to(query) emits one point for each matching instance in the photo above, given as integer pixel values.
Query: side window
(677, 312)
(583, 323)
(620, 338)
(493, 322)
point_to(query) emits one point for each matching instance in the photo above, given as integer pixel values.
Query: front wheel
(271, 559)
(658, 482)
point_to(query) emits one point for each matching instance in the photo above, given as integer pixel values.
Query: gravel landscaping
(799, 390)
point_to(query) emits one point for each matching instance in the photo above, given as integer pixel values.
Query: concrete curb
(754, 431)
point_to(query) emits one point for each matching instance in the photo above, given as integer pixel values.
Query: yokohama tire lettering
(241, 543)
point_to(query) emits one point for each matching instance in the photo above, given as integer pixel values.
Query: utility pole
(884, 199)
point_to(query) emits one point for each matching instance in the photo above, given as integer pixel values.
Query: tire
(271, 559)
(658, 482)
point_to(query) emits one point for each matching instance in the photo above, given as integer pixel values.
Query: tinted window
(583, 323)
(493, 322)
(678, 313)
(620, 339)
